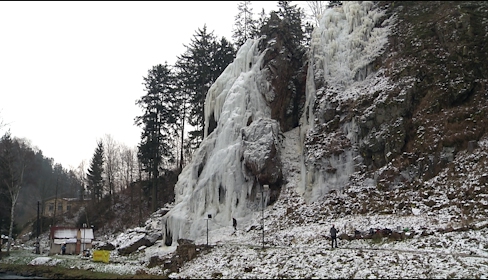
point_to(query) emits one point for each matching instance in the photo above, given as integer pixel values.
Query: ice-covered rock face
(217, 181)
(349, 38)
(240, 150)
(346, 43)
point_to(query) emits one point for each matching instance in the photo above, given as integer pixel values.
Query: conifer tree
(285, 36)
(160, 123)
(224, 55)
(94, 175)
(244, 25)
(260, 22)
(198, 68)
(183, 104)
(291, 17)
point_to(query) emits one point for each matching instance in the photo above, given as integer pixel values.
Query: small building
(76, 239)
(61, 205)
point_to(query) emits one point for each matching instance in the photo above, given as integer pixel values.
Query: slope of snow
(298, 246)
(295, 250)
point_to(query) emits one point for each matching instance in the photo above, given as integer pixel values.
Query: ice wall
(343, 48)
(214, 182)
(347, 42)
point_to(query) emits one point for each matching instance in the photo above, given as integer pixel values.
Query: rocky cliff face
(422, 104)
(386, 112)
(406, 135)
(437, 60)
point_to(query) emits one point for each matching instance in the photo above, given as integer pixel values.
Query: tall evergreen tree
(284, 30)
(182, 75)
(4, 196)
(94, 175)
(198, 68)
(244, 24)
(224, 55)
(160, 124)
(260, 22)
(292, 17)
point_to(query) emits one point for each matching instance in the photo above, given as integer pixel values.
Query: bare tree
(128, 169)
(13, 161)
(1, 124)
(111, 162)
(317, 8)
(80, 174)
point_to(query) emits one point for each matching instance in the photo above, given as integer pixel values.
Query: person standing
(234, 223)
(63, 249)
(333, 236)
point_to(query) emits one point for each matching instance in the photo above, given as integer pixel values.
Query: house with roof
(77, 240)
(61, 205)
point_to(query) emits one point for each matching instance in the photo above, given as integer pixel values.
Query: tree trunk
(154, 195)
(11, 227)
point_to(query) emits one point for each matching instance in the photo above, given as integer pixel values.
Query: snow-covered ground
(308, 255)
(297, 248)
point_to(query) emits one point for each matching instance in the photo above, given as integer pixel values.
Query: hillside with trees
(121, 182)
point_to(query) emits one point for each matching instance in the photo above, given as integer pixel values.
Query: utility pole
(1, 237)
(264, 189)
(262, 210)
(38, 251)
(208, 218)
(83, 240)
(55, 202)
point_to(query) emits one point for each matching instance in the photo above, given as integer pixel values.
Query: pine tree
(183, 104)
(284, 35)
(224, 54)
(291, 17)
(94, 175)
(262, 20)
(160, 122)
(196, 64)
(4, 192)
(244, 25)
(198, 68)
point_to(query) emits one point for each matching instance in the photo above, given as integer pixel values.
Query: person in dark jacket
(234, 223)
(63, 249)
(333, 236)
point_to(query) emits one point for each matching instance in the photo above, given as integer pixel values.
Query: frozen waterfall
(350, 37)
(214, 182)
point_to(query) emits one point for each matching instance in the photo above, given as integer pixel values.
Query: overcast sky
(70, 72)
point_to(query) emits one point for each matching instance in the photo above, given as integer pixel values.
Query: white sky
(70, 72)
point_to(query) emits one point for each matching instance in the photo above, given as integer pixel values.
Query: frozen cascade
(214, 182)
(348, 41)
(343, 48)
